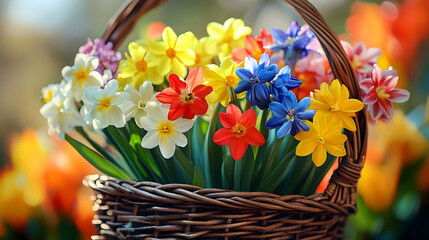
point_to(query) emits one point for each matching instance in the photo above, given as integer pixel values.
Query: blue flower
(292, 42)
(282, 83)
(253, 78)
(288, 115)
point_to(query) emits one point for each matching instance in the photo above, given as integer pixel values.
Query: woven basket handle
(342, 186)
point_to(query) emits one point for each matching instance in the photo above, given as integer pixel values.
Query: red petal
(254, 137)
(176, 83)
(195, 77)
(188, 113)
(227, 120)
(248, 119)
(202, 91)
(250, 44)
(238, 55)
(199, 106)
(168, 95)
(177, 110)
(223, 136)
(234, 111)
(237, 148)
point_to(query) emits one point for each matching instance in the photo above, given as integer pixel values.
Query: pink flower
(362, 59)
(378, 93)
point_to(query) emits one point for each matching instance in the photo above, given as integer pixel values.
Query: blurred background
(41, 196)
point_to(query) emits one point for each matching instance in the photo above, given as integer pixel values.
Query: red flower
(253, 46)
(187, 98)
(238, 131)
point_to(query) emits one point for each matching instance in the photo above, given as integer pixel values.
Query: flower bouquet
(192, 129)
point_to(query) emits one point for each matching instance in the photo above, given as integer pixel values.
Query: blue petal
(303, 104)
(251, 64)
(243, 86)
(278, 109)
(301, 43)
(285, 72)
(279, 35)
(301, 125)
(250, 95)
(293, 29)
(306, 115)
(275, 122)
(266, 76)
(263, 104)
(244, 74)
(289, 101)
(275, 47)
(265, 60)
(284, 129)
(261, 91)
(292, 83)
(294, 129)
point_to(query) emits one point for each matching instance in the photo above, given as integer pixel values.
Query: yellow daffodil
(221, 79)
(324, 136)
(202, 57)
(224, 38)
(334, 101)
(173, 54)
(136, 68)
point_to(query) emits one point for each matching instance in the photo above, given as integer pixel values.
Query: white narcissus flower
(103, 104)
(162, 132)
(61, 111)
(135, 106)
(82, 74)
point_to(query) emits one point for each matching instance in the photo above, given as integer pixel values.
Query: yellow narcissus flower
(173, 54)
(334, 101)
(224, 38)
(136, 68)
(324, 136)
(202, 57)
(221, 79)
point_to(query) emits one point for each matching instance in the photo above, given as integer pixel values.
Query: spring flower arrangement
(230, 110)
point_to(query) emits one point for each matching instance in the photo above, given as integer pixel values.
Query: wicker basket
(145, 210)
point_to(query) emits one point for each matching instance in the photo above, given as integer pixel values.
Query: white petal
(93, 94)
(95, 79)
(183, 124)
(180, 139)
(66, 72)
(151, 139)
(116, 117)
(49, 110)
(149, 123)
(129, 109)
(157, 111)
(111, 87)
(134, 95)
(167, 146)
(119, 98)
(146, 91)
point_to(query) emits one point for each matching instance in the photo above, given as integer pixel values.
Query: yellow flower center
(356, 63)
(321, 140)
(48, 96)
(141, 65)
(227, 38)
(380, 92)
(197, 58)
(335, 107)
(81, 76)
(290, 40)
(229, 80)
(141, 104)
(105, 103)
(291, 115)
(187, 97)
(165, 128)
(171, 53)
(239, 130)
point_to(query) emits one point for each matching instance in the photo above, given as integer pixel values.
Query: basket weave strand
(127, 209)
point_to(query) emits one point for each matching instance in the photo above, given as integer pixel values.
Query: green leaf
(227, 172)
(213, 153)
(185, 166)
(246, 164)
(98, 161)
(198, 179)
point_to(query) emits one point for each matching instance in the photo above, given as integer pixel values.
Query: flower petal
(319, 155)
(237, 148)
(351, 105)
(278, 110)
(169, 37)
(176, 83)
(223, 136)
(306, 115)
(305, 147)
(234, 111)
(284, 129)
(248, 119)
(336, 150)
(303, 104)
(254, 137)
(179, 138)
(183, 124)
(151, 140)
(399, 95)
(167, 145)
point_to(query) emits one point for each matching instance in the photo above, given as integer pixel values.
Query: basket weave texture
(127, 209)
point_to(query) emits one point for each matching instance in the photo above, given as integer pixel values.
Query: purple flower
(293, 42)
(288, 115)
(253, 78)
(109, 59)
(282, 83)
